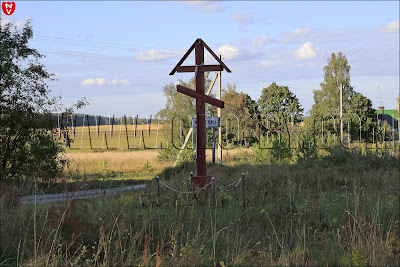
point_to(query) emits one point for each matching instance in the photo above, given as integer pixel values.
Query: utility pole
(219, 116)
(341, 113)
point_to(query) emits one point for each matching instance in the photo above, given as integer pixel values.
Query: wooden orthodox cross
(201, 180)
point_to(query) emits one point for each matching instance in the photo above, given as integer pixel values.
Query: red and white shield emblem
(8, 7)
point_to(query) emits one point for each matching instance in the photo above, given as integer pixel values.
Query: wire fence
(81, 131)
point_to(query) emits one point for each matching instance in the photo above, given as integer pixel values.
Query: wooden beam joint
(201, 97)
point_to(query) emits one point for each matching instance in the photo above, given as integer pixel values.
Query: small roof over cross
(201, 180)
(179, 68)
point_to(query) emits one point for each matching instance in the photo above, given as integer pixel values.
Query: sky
(119, 54)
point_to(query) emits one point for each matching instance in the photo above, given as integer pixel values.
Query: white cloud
(243, 18)
(306, 51)
(296, 34)
(391, 27)
(125, 82)
(100, 81)
(228, 51)
(103, 81)
(19, 24)
(88, 82)
(260, 41)
(205, 6)
(270, 63)
(300, 32)
(158, 55)
(5, 21)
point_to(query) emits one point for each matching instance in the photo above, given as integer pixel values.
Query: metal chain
(183, 192)
(234, 184)
(185, 183)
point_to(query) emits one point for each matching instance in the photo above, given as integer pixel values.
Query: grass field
(340, 209)
(141, 163)
(115, 137)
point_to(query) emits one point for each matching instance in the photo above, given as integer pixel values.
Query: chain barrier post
(244, 191)
(190, 186)
(213, 192)
(158, 190)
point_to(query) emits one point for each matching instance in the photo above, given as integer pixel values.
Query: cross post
(201, 180)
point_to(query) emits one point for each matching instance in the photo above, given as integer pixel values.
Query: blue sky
(119, 54)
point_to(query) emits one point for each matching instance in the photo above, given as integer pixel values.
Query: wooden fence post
(98, 126)
(106, 140)
(126, 131)
(148, 127)
(137, 117)
(88, 125)
(83, 127)
(144, 145)
(75, 125)
(112, 127)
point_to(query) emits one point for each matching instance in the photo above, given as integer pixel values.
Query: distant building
(390, 116)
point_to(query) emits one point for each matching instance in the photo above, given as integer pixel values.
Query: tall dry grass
(340, 210)
(134, 163)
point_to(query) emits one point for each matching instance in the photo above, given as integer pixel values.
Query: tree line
(51, 121)
(279, 112)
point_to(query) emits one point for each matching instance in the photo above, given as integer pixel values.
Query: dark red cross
(201, 179)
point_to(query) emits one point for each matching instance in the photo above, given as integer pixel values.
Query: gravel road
(93, 193)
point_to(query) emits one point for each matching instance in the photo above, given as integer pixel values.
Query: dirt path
(93, 193)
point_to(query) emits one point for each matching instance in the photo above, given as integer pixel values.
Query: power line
(95, 43)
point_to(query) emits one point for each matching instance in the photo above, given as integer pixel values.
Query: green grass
(342, 209)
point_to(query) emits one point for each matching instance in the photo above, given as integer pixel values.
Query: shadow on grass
(338, 210)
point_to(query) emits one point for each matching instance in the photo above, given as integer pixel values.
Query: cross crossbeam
(202, 97)
(201, 68)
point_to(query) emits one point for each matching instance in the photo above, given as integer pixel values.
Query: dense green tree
(180, 108)
(360, 111)
(336, 73)
(27, 148)
(279, 101)
(245, 110)
(327, 99)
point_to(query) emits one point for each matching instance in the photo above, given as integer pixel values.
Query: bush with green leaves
(27, 148)
(281, 150)
(307, 150)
